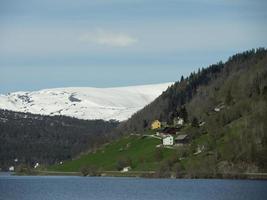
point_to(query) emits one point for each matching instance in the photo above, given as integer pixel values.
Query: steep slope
(205, 89)
(230, 99)
(84, 103)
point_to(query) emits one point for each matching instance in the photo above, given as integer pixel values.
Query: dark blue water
(77, 188)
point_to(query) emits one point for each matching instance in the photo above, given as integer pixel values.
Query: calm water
(76, 188)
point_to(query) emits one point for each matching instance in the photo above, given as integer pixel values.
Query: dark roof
(170, 130)
(168, 136)
(181, 137)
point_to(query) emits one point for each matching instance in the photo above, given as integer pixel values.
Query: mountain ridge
(117, 103)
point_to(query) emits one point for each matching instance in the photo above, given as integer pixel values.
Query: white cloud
(109, 38)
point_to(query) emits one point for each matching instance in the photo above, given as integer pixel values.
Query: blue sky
(106, 43)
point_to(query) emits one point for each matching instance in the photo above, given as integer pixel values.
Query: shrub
(90, 170)
(124, 162)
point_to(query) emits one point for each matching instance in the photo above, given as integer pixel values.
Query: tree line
(32, 138)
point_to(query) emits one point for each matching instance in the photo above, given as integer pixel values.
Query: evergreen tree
(145, 123)
(194, 122)
(256, 85)
(182, 79)
(228, 98)
(183, 114)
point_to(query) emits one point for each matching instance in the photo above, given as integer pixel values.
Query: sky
(110, 43)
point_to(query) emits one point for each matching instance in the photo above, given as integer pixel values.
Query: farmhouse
(155, 124)
(182, 139)
(167, 140)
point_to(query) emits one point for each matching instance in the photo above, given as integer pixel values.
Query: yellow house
(155, 124)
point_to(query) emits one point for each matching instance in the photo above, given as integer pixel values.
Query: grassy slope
(141, 150)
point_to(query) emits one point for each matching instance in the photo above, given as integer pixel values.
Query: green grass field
(141, 151)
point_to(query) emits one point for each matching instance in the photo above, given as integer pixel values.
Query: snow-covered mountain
(84, 102)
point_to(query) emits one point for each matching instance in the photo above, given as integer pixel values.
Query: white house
(167, 140)
(126, 169)
(11, 168)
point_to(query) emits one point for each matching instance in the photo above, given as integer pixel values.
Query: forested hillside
(242, 78)
(35, 138)
(229, 100)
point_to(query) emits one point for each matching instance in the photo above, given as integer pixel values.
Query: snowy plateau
(117, 103)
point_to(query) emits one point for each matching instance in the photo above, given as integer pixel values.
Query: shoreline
(151, 175)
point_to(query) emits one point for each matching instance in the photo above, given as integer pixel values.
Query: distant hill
(48, 139)
(84, 102)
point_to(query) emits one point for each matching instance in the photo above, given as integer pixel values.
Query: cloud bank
(107, 38)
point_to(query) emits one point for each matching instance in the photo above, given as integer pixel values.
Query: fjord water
(104, 188)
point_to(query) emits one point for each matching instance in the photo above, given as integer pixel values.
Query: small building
(167, 140)
(126, 169)
(11, 168)
(155, 124)
(177, 121)
(182, 139)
